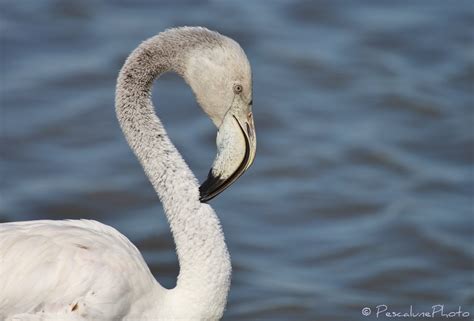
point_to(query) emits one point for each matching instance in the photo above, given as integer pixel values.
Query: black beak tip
(210, 188)
(203, 196)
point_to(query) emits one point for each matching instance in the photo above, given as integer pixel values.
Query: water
(361, 192)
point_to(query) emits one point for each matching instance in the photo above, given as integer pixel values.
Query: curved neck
(202, 253)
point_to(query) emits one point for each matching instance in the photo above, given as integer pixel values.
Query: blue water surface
(362, 190)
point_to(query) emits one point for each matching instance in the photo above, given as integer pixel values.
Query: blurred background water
(362, 190)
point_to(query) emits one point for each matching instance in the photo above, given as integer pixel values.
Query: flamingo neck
(204, 277)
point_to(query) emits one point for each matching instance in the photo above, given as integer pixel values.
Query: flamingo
(84, 270)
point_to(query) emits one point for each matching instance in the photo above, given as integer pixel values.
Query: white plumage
(85, 270)
(73, 266)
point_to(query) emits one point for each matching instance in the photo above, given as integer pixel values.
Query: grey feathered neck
(202, 253)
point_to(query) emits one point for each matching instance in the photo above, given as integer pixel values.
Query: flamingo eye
(237, 89)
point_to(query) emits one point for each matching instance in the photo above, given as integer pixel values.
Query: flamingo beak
(236, 144)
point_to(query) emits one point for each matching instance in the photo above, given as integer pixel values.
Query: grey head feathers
(209, 62)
